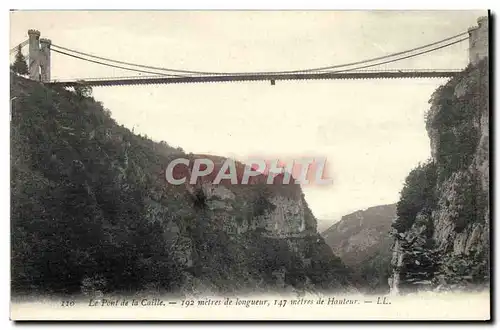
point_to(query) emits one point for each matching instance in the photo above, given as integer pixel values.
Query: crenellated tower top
(39, 56)
(45, 41)
(478, 40)
(33, 32)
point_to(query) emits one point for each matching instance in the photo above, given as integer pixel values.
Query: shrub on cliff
(418, 194)
(82, 90)
(466, 269)
(454, 115)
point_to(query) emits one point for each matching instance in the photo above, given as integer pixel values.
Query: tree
(82, 90)
(417, 195)
(19, 66)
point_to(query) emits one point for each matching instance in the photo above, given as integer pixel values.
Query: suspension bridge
(40, 50)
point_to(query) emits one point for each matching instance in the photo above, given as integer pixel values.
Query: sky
(371, 132)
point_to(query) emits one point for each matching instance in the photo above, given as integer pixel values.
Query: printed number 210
(67, 303)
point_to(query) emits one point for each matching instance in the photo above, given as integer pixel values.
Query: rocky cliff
(92, 212)
(362, 240)
(442, 229)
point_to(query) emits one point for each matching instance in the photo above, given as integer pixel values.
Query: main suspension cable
(399, 59)
(22, 44)
(258, 73)
(114, 66)
(262, 72)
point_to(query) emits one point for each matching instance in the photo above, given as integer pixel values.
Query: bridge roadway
(159, 79)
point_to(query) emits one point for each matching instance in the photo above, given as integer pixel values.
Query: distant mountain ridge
(361, 239)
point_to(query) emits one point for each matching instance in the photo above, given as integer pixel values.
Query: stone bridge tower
(478, 41)
(34, 50)
(45, 59)
(38, 57)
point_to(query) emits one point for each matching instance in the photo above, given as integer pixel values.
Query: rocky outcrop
(454, 227)
(450, 233)
(278, 210)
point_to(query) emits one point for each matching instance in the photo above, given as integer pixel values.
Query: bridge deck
(152, 80)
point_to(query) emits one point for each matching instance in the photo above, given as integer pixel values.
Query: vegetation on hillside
(90, 211)
(80, 189)
(455, 118)
(362, 240)
(417, 196)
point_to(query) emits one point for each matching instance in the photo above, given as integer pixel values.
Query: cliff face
(254, 237)
(91, 211)
(276, 210)
(362, 240)
(442, 230)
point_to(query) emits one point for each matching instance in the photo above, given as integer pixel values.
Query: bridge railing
(159, 75)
